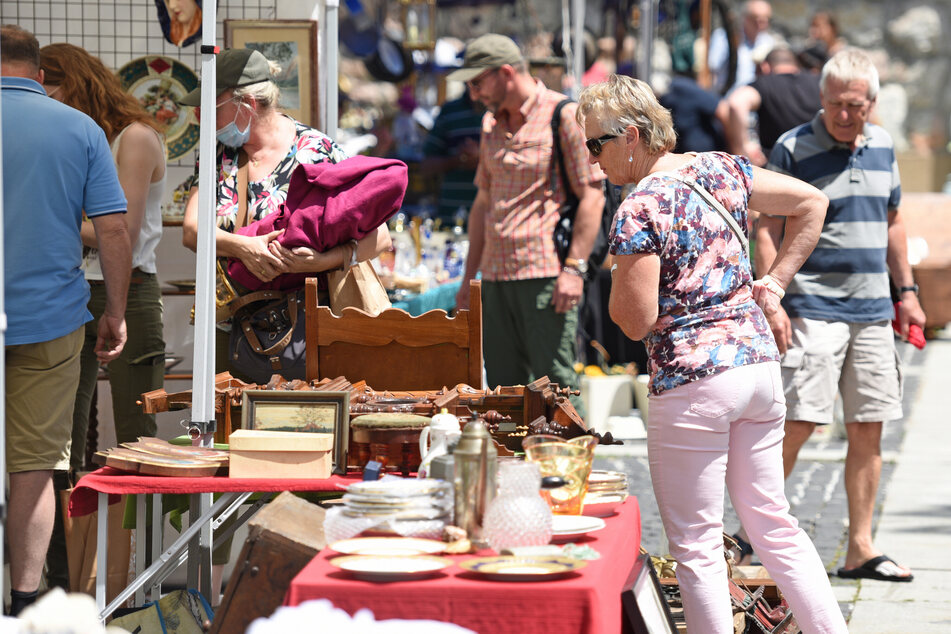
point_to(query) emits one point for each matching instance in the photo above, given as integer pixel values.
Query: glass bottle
(518, 516)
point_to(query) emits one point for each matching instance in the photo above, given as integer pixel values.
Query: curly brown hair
(85, 83)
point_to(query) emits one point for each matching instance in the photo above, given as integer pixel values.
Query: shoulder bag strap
(713, 202)
(242, 219)
(558, 160)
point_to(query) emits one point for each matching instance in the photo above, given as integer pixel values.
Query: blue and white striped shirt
(846, 276)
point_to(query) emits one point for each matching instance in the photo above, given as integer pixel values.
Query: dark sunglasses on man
(595, 145)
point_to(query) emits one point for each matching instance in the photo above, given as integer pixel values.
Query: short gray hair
(266, 93)
(851, 65)
(623, 101)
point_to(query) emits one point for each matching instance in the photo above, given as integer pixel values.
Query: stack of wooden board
(152, 456)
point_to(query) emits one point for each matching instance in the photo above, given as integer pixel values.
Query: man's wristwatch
(908, 289)
(575, 265)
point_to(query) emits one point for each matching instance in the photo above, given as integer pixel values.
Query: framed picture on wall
(292, 44)
(301, 411)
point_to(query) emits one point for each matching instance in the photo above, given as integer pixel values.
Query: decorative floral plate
(383, 568)
(522, 568)
(158, 83)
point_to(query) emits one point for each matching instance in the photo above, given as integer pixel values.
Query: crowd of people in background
(805, 317)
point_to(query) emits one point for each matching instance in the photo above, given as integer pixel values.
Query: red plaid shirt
(525, 189)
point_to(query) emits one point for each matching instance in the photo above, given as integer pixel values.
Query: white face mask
(230, 135)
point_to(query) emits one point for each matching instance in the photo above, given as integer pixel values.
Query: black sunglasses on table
(595, 145)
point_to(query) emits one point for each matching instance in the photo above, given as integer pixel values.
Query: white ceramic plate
(522, 568)
(388, 546)
(566, 527)
(381, 568)
(601, 505)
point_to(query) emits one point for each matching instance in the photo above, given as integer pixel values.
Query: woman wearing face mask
(250, 124)
(252, 130)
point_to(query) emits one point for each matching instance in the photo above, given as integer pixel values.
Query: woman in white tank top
(82, 81)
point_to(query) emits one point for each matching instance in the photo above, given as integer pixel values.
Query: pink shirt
(515, 169)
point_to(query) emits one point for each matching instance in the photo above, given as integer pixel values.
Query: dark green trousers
(523, 338)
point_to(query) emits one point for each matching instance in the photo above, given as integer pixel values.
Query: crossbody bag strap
(558, 159)
(242, 218)
(718, 206)
(257, 296)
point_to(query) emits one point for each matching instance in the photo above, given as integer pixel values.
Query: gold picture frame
(301, 411)
(293, 45)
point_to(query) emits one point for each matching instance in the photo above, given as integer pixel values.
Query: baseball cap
(234, 67)
(484, 53)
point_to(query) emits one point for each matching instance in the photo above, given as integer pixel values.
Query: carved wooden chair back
(394, 350)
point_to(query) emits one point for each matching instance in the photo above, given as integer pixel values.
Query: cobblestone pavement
(816, 488)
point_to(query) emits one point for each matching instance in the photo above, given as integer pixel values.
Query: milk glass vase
(518, 516)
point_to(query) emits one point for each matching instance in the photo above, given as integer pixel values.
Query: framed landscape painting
(291, 44)
(301, 411)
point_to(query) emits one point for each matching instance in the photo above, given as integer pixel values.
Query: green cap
(484, 53)
(234, 67)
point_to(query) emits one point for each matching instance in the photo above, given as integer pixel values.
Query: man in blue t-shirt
(834, 326)
(56, 166)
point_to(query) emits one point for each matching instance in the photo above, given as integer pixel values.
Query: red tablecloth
(84, 499)
(587, 602)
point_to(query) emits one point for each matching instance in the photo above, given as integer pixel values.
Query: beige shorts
(859, 361)
(42, 379)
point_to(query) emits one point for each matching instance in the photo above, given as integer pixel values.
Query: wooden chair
(394, 350)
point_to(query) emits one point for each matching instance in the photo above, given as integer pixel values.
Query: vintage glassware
(570, 459)
(518, 516)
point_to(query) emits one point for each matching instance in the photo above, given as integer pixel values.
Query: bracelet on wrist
(908, 289)
(572, 271)
(771, 285)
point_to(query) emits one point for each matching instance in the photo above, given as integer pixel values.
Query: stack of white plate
(607, 490)
(399, 499)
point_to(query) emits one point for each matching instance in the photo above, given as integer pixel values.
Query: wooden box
(282, 538)
(280, 454)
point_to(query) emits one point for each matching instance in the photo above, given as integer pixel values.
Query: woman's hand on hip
(780, 325)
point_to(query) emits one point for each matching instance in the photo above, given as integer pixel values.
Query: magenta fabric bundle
(328, 204)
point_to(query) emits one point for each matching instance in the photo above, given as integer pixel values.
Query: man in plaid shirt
(530, 298)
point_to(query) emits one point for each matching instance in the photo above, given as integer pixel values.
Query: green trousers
(524, 339)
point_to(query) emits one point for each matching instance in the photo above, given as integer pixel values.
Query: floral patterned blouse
(267, 195)
(707, 319)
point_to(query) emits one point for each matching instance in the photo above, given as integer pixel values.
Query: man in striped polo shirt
(834, 327)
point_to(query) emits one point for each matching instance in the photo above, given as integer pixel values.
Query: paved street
(816, 488)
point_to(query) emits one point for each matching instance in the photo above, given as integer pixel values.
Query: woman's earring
(630, 159)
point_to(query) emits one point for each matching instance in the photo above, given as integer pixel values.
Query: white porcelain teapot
(435, 439)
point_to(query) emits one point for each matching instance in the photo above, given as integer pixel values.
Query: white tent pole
(202, 428)
(203, 372)
(645, 65)
(328, 67)
(3, 375)
(577, 41)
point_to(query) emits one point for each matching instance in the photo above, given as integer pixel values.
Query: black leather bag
(267, 335)
(565, 227)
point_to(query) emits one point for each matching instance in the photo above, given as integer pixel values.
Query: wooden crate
(282, 538)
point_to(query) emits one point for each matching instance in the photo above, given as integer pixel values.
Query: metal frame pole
(3, 378)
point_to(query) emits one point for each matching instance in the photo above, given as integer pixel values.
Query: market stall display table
(100, 488)
(587, 601)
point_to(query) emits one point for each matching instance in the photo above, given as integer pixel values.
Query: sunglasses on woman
(596, 145)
